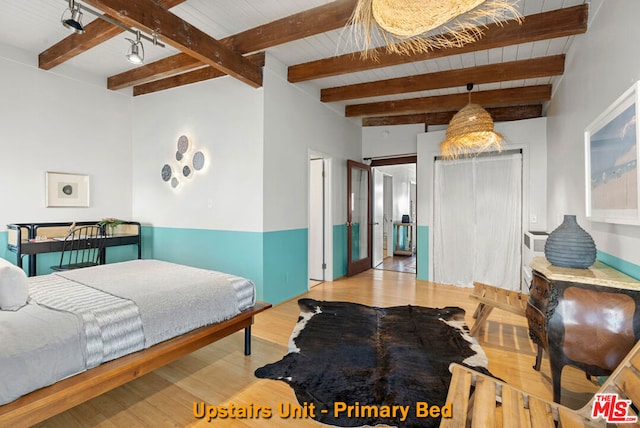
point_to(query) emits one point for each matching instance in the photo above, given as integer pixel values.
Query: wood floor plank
(220, 375)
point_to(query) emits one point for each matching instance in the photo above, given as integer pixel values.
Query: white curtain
(477, 220)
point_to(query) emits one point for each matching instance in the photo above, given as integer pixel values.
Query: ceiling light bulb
(135, 54)
(74, 22)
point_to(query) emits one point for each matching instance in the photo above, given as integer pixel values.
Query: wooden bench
(495, 404)
(490, 297)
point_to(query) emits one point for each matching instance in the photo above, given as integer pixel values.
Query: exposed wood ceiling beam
(498, 97)
(297, 26)
(149, 16)
(547, 25)
(95, 32)
(309, 22)
(194, 76)
(514, 70)
(499, 114)
(169, 66)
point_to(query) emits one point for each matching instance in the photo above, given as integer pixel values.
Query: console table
(404, 238)
(31, 239)
(587, 318)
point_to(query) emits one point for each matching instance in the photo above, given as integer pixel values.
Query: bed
(70, 336)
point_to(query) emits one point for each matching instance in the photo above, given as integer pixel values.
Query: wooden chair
(495, 404)
(490, 297)
(82, 247)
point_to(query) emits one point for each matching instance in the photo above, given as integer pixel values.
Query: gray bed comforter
(38, 347)
(172, 298)
(78, 319)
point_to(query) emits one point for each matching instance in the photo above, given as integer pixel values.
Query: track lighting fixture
(73, 19)
(135, 54)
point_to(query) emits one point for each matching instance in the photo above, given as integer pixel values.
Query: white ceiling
(34, 26)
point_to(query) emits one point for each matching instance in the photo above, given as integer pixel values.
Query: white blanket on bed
(39, 346)
(197, 297)
(112, 325)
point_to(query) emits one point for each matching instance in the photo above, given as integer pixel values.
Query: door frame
(378, 217)
(317, 221)
(402, 160)
(328, 217)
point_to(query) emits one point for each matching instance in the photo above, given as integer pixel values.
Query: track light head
(135, 54)
(74, 21)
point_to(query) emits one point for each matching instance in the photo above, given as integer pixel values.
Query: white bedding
(41, 345)
(111, 326)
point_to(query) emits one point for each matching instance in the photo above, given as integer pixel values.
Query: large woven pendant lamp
(413, 26)
(470, 131)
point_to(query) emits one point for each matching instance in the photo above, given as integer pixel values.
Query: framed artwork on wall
(611, 155)
(67, 190)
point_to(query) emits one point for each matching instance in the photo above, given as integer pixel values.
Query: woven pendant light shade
(411, 18)
(414, 26)
(470, 130)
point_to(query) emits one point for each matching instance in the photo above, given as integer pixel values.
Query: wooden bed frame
(65, 394)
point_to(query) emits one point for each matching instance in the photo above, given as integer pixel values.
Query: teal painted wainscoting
(238, 253)
(4, 253)
(275, 261)
(285, 264)
(623, 266)
(339, 250)
(423, 253)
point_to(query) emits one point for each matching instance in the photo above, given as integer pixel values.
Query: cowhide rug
(358, 355)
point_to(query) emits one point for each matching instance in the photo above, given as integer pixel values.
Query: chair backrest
(82, 247)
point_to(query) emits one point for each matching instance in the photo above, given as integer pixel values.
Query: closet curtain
(477, 220)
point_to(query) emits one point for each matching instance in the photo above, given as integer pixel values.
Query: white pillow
(14, 288)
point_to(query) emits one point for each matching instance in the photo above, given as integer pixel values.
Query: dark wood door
(358, 217)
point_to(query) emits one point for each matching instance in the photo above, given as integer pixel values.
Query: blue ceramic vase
(570, 245)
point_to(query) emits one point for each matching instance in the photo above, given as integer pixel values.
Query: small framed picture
(67, 190)
(611, 154)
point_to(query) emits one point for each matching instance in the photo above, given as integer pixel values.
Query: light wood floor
(220, 375)
(399, 264)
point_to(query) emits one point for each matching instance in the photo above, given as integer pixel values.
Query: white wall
(600, 66)
(528, 135)
(296, 123)
(402, 175)
(381, 141)
(223, 118)
(50, 122)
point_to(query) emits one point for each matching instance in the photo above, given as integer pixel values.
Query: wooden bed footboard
(61, 396)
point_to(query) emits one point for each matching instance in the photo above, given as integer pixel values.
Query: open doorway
(394, 218)
(320, 238)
